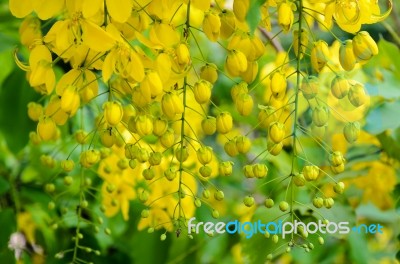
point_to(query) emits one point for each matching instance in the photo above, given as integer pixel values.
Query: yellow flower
(113, 112)
(240, 8)
(42, 76)
(119, 11)
(350, 15)
(319, 55)
(285, 16)
(236, 63)
(46, 128)
(211, 26)
(30, 31)
(346, 55)
(44, 9)
(117, 190)
(122, 60)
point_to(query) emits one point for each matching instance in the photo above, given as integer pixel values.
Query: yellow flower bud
(248, 171)
(243, 144)
(228, 23)
(160, 126)
(310, 172)
(278, 82)
(309, 87)
(244, 104)
(240, 9)
(155, 158)
(171, 105)
(248, 201)
(300, 46)
(171, 173)
(89, 157)
(34, 138)
(141, 95)
(336, 158)
(181, 153)
(168, 138)
(204, 155)
(54, 110)
(351, 131)
(236, 63)
(357, 95)
(81, 136)
(182, 55)
(273, 148)
(364, 47)
(347, 58)
(46, 128)
(143, 155)
(340, 87)
(276, 132)
(152, 84)
(338, 188)
(225, 168)
(107, 138)
(202, 91)
(266, 116)
(251, 73)
(35, 111)
(205, 171)
(144, 125)
(148, 173)
(285, 16)
(319, 55)
(328, 203)
(29, 30)
(318, 202)
(131, 151)
(320, 116)
(209, 125)
(48, 161)
(230, 148)
(260, 170)
(113, 112)
(211, 26)
(224, 122)
(299, 179)
(70, 100)
(209, 72)
(238, 89)
(67, 165)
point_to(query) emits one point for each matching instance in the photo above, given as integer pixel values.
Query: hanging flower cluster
(140, 97)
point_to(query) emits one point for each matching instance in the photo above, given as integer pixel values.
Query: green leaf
(372, 213)
(4, 186)
(358, 245)
(8, 226)
(387, 88)
(383, 117)
(396, 195)
(7, 65)
(390, 145)
(14, 122)
(7, 43)
(254, 15)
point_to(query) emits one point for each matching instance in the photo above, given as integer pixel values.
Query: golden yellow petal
(95, 37)
(119, 10)
(20, 8)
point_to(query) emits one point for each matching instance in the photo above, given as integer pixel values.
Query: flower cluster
(141, 97)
